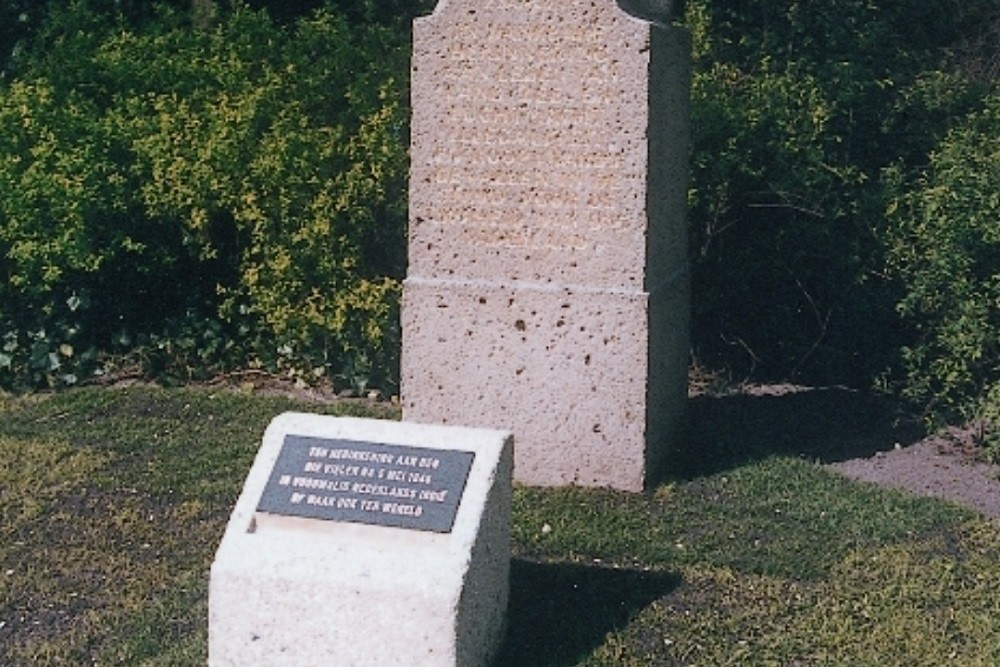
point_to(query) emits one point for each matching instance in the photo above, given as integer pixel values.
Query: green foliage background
(215, 197)
(944, 243)
(844, 196)
(193, 196)
(798, 109)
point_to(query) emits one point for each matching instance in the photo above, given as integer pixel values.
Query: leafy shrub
(797, 108)
(246, 174)
(47, 353)
(944, 245)
(67, 226)
(272, 174)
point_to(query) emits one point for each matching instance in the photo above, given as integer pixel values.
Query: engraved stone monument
(548, 284)
(365, 543)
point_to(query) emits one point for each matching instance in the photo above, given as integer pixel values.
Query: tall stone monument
(548, 284)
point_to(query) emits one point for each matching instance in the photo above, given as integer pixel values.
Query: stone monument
(365, 543)
(548, 282)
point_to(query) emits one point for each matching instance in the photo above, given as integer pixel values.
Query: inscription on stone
(367, 482)
(523, 104)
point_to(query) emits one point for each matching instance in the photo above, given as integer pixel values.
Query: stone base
(592, 382)
(306, 592)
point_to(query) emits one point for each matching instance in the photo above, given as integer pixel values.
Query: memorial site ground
(758, 552)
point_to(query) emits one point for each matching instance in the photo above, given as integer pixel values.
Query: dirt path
(941, 466)
(851, 432)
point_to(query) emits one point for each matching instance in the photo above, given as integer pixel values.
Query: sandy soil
(944, 466)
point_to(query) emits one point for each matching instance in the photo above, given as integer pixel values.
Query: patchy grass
(780, 516)
(112, 503)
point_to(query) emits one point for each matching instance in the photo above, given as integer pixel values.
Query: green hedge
(233, 193)
(244, 182)
(797, 109)
(944, 245)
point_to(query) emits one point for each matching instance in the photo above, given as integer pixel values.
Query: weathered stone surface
(548, 289)
(294, 591)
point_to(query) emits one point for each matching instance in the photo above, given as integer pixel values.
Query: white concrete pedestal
(287, 590)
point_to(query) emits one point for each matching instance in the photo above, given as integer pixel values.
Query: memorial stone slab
(548, 286)
(364, 542)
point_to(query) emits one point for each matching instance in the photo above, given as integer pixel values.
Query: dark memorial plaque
(367, 482)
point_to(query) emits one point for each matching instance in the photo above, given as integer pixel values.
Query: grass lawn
(112, 503)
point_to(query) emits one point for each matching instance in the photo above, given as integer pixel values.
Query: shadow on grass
(560, 612)
(823, 424)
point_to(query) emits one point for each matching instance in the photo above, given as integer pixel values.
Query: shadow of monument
(823, 424)
(560, 613)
